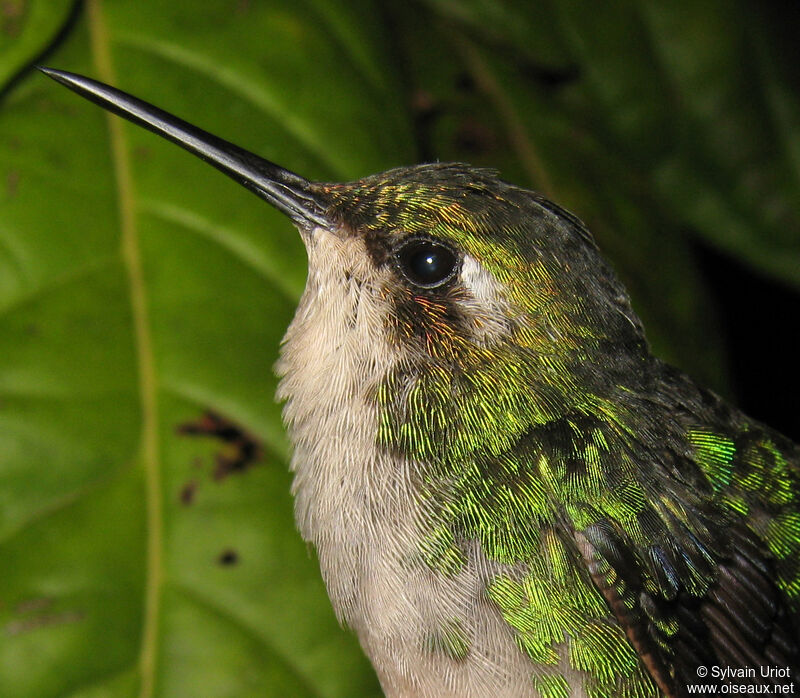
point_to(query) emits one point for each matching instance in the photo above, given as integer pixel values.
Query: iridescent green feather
(591, 471)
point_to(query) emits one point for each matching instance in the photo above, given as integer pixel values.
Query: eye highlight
(426, 263)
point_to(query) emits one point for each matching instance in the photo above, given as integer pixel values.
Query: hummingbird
(509, 495)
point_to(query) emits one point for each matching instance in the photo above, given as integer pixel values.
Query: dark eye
(426, 263)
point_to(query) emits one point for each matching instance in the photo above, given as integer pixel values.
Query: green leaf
(26, 29)
(142, 295)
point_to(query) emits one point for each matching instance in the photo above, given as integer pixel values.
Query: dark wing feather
(742, 621)
(712, 582)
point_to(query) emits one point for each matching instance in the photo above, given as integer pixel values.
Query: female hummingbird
(509, 495)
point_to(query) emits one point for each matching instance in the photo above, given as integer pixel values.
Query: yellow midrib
(129, 244)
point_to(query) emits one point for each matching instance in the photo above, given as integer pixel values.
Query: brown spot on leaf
(32, 605)
(228, 557)
(12, 183)
(187, 492)
(142, 153)
(12, 16)
(35, 615)
(239, 449)
(18, 627)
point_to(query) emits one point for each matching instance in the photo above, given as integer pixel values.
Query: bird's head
(482, 308)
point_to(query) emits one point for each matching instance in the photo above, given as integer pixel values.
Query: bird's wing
(741, 620)
(708, 592)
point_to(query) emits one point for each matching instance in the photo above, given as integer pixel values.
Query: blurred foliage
(146, 535)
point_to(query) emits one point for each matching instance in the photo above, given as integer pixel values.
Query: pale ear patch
(491, 312)
(479, 281)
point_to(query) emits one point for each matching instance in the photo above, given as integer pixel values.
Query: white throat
(356, 503)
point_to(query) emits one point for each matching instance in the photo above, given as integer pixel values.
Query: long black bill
(285, 190)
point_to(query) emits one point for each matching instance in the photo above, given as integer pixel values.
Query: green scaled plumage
(509, 495)
(658, 528)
